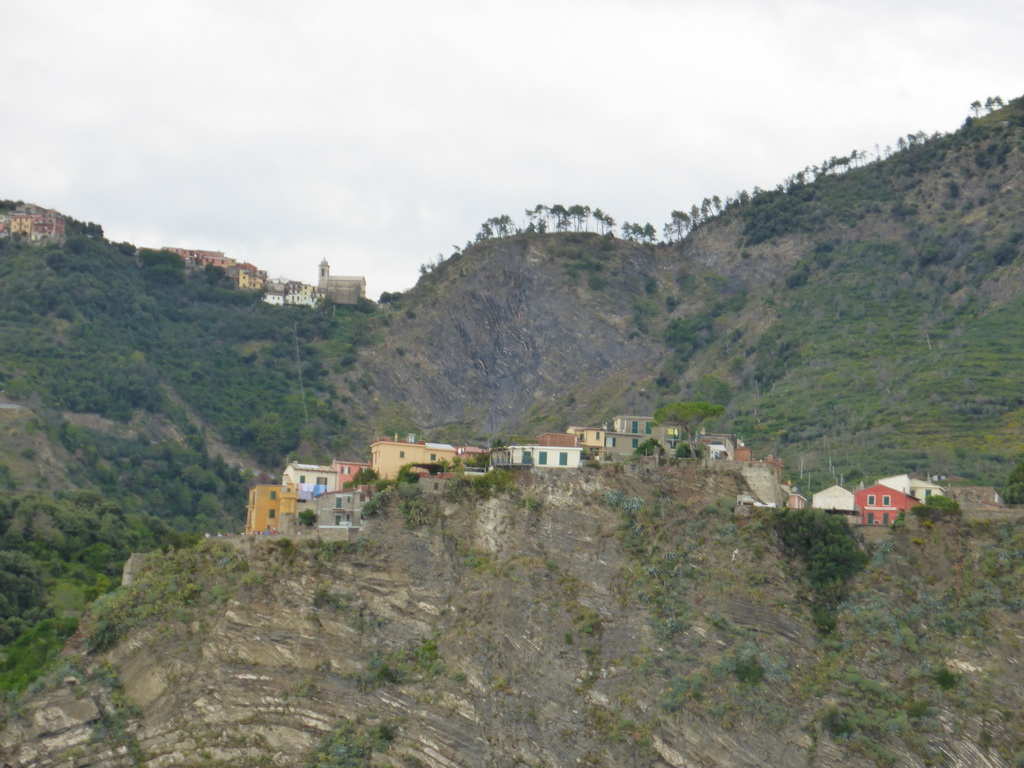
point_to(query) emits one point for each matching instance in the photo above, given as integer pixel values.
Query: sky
(381, 135)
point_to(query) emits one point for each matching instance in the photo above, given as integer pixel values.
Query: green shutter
(563, 459)
(542, 457)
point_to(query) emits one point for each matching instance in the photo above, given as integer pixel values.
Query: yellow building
(389, 456)
(267, 504)
(21, 224)
(590, 439)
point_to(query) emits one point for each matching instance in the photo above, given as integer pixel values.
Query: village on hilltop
(328, 500)
(41, 225)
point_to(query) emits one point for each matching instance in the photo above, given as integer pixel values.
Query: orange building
(267, 504)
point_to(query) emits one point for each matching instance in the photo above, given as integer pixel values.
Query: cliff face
(513, 324)
(612, 619)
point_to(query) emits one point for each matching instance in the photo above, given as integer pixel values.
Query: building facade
(389, 456)
(880, 504)
(339, 289)
(539, 456)
(268, 504)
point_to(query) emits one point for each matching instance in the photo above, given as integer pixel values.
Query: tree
(649, 447)
(679, 226)
(687, 417)
(935, 508)
(976, 107)
(561, 217)
(1014, 491)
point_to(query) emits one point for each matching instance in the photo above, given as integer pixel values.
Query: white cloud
(380, 135)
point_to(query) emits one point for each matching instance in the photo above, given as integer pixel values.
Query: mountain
(858, 320)
(864, 320)
(602, 618)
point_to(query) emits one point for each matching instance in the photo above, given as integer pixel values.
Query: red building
(879, 504)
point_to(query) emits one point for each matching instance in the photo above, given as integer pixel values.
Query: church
(340, 290)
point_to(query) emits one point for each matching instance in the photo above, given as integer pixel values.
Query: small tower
(325, 271)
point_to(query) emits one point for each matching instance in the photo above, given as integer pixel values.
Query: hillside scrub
(830, 554)
(56, 557)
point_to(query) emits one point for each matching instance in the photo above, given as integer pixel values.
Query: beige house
(628, 432)
(340, 289)
(314, 478)
(590, 439)
(834, 497)
(389, 456)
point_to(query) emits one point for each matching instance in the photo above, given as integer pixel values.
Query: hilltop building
(33, 222)
(340, 290)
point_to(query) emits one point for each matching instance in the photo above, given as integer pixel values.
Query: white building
(913, 486)
(542, 456)
(835, 497)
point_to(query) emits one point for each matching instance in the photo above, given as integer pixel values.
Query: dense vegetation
(57, 556)
(830, 556)
(94, 327)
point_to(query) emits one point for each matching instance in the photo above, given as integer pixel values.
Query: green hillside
(862, 316)
(862, 319)
(162, 361)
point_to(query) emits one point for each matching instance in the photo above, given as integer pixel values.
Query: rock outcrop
(582, 618)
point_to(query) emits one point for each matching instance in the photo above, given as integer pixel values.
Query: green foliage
(649, 447)
(831, 558)
(947, 680)
(229, 356)
(352, 744)
(34, 649)
(688, 417)
(936, 508)
(1014, 490)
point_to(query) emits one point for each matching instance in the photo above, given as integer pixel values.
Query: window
(302, 478)
(636, 442)
(433, 457)
(636, 427)
(885, 519)
(337, 519)
(542, 457)
(401, 454)
(871, 518)
(337, 502)
(272, 514)
(886, 501)
(927, 494)
(611, 442)
(563, 459)
(871, 499)
(647, 428)
(273, 495)
(321, 481)
(527, 457)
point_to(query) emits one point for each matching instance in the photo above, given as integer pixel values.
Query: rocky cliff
(593, 618)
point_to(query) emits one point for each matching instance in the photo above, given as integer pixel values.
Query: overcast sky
(379, 135)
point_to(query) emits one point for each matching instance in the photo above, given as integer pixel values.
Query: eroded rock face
(526, 630)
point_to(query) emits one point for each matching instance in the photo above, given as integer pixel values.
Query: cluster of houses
(33, 222)
(329, 499)
(333, 500)
(882, 503)
(280, 291)
(38, 224)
